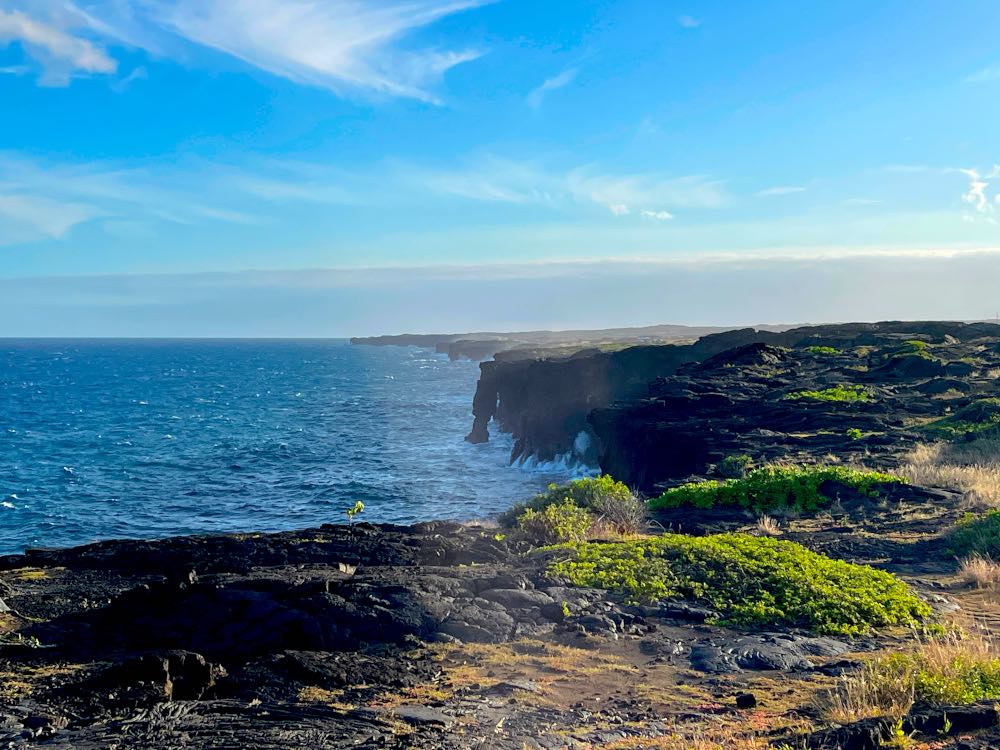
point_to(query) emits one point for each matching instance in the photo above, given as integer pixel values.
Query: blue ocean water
(108, 439)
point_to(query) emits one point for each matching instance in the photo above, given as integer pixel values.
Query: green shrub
(734, 467)
(822, 350)
(971, 420)
(585, 493)
(847, 394)
(976, 535)
(774, 488)
(748, 580)
(562, 522)
(854, 433)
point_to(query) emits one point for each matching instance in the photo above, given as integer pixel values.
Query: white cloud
(780, 190)
(619, 209)
(336, 44)
(61, 54)
(342, 45)
(976, 195)
(537, 96)
(688, 22)
(658, 215)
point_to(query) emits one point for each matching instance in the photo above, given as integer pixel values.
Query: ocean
(150, 438)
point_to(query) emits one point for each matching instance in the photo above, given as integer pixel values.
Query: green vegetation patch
(970, 420)
(588, 493)
(847, 394)
(560, 522)
(822, 350)
(748, 580)
(976, 535)
(572, 511)
(776, 487)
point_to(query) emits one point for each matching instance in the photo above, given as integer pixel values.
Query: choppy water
(104, 439)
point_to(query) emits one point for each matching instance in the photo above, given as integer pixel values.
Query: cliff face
(647, 428)
(544, 403)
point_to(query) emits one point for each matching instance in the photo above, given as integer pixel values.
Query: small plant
(776, 488)
(854, 433)
(898, 738)
(748, 580)
(565, 610)
(565, 522)
(822, 350)
(768, 526)
(356, 510)
(734, 467)
(847, 394)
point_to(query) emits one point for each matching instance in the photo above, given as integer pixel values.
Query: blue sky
(182, 137)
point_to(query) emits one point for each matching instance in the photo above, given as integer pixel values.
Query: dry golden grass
(21, 681)
(888, 685)
(330, 698)
(972, 468)
(978, 571)
(768, 526)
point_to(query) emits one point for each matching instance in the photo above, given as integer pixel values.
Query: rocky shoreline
(447, 635)
(546, 403)
(438, 635)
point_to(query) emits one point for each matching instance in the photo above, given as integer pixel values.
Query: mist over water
(107, 439)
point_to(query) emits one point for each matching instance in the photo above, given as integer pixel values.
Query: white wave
(575, 463)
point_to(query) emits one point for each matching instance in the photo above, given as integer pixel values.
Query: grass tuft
(951, 670)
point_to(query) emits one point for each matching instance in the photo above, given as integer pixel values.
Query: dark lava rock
(746, 701)
(937, 721)
(763, 652)
(938, 386)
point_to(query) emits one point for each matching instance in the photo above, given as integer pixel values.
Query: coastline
(727, 617)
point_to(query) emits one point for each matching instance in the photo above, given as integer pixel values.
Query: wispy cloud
(688, 22)
(343, 45)
(29, 217)
(505, 181)
(61, 54)
(537, 95)
(47, 200)
(990, 73)
(780, 190)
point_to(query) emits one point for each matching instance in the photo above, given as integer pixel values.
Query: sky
(342, 167)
